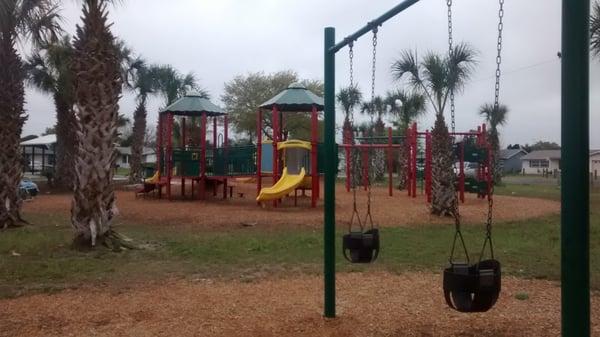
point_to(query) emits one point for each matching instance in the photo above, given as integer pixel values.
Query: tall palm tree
(35, 21)
(143, 83)
(49, 71)
(438, 76)
(98, 85)
(349, 98)
(595, 29)
(495, 117)
(406, 108)
(171, 85)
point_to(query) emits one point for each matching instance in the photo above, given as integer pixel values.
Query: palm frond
(407, 64)
(595, 29)
(461, 63)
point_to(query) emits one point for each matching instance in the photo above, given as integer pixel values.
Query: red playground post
(313, 156)
(390, 164)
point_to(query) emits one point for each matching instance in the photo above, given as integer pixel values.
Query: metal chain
(352, 152)
(368, 215)
(491, 161)
(351, 55)
(450, 52)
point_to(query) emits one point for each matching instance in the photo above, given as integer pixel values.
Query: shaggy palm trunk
(97, 92)
(402, 166)
(443, 179)
(137, 146)
(66, 138)
(495, 164)
(12, 117)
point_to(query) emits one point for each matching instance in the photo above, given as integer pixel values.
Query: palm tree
(595, 29)
(171, 85)
(98, 85)
(49, 71)
(495, 117)
(144, 83)
(406, 108)
(437, 77)
(34, 21)
(348, 98)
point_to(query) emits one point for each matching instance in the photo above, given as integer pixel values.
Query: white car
(470, 169)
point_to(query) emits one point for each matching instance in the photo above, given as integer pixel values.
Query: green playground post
(330, 172)
(575, 212)
(330, 150)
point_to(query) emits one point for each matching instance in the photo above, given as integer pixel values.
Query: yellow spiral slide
(286, 184)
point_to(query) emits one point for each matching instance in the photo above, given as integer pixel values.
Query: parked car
(29, 187)
(470, 169)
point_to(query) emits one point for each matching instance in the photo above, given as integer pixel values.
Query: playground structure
(292, 164)
(471, 147)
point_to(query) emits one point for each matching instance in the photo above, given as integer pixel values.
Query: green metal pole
(330, 173)
(575, 218)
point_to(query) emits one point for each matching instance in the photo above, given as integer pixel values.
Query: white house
(538, 162)
(595, 163)
(38, 153)
(148, 156)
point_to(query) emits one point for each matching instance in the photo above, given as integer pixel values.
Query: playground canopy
(193, 104)
(296, 98)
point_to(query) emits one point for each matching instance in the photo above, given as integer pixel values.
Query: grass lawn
(38, 258)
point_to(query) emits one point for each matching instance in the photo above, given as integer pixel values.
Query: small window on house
(124, 158)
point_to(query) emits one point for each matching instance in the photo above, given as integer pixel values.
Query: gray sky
(218, 40)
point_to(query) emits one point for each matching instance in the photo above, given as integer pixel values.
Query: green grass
(39, 258)
(551, 192)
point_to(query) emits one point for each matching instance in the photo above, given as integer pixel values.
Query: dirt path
(410, 304)
(217, 214)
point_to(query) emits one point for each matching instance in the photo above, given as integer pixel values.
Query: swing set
(474, 285)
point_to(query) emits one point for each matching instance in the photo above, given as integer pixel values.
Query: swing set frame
(575, 276)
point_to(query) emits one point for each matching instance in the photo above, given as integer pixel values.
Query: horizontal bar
(372, 146)
(372, 25)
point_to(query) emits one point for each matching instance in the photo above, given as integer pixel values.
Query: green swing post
(330, 160)
(575, 212)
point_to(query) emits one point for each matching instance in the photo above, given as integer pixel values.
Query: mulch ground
(218, 214)
(376, 304)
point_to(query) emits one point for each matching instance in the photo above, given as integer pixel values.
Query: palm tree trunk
(442, 169)
(137, 146)
(66, 138)
(495, 164)
(12, 117)
(97, 92)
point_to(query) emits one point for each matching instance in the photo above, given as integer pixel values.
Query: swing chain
(351, 55)
(491, 163)
(450, 52)
(374, 61)
(499, 55)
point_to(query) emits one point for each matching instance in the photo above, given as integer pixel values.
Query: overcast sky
(217, 40)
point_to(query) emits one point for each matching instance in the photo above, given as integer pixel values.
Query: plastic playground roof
(193, 104)
(294, 144)
(296, 98)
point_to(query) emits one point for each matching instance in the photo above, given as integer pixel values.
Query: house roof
(42, 140)
(296, 98)
(509, 153)
(193, 104)
(127, 150)
(542, 154)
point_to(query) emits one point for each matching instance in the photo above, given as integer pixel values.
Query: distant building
(38, 153)
(538, 162)
(595, 163)
(510, 160)
(124, 158)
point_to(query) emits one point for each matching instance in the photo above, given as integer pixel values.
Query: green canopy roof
(193, 104)
(296, 98)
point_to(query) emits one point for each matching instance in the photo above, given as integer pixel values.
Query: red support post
(214, 133)
(275, 116)
(259, 117)
(226, 149)
(169, 154)
(414, 161)
(365, 167)
(203, 157)
(314, 174)
(408, 142)
(159, 151)
(428, 158)
(461, 177)
(182, 143)
(390, 164)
